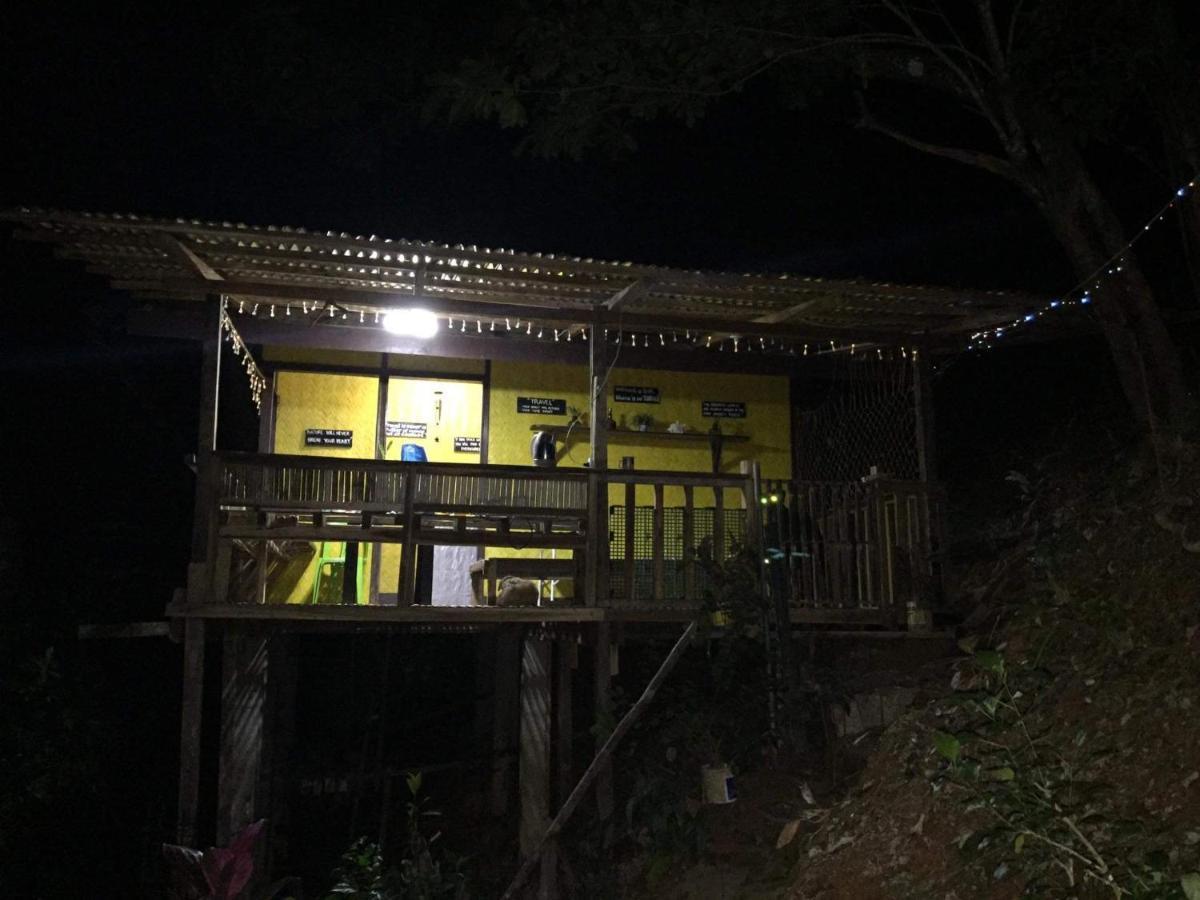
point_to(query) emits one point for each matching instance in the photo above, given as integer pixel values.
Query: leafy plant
(220, 873)
(423, 873)
(1044, 803)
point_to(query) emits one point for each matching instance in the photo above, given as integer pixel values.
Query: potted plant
(643, 421)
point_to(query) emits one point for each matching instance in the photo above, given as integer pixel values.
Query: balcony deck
(644, 543)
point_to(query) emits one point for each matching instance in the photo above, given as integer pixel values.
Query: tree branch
(975, 158)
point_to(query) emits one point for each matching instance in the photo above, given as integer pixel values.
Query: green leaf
(1003, 773)
(990, 661)
(1191, 885)
(1019, 843)
(947, 745)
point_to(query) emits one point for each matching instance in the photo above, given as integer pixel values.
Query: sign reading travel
(328, 437)
(723, 409)
(467, 445)
(542, 405)
(631, 394)
(405, 429)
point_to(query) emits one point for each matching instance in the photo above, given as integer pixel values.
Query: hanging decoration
(1081, 293)
(233, 337)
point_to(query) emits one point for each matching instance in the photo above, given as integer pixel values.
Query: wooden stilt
(243, 707)
(504, 722)
(602, 758)
(534, 755)
(189, 732)
(602, 650)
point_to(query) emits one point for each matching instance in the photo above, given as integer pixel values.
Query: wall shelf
(715, 441)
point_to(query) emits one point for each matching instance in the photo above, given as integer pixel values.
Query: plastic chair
(330, 574)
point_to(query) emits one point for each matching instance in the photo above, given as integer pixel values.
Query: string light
(241, 351)
(1080, 294)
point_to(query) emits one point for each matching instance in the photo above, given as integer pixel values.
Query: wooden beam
(184, 254)
(628, 294)
(603, 758)
(102, 631)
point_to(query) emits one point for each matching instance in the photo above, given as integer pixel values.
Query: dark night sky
(128, 108)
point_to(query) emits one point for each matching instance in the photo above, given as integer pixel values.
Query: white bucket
(718, 786)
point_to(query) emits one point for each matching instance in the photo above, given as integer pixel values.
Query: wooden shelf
(715, 440)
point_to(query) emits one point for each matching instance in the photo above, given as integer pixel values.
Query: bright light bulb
(419, 323)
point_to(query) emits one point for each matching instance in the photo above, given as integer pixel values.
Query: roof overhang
(340, 280)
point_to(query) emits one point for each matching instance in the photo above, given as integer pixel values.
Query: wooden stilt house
(399, 385)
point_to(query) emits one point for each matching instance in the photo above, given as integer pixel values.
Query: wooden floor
(484, 615)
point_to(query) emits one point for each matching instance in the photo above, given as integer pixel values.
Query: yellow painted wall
(322, 400)
(306, 400)
(766, 423)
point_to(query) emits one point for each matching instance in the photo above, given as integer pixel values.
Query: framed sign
(634, 394)
(545, 406)
(328, 437)
(405, 429)
(467, 445)
(723, 409)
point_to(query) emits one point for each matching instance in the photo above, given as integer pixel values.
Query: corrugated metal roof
(188, 258)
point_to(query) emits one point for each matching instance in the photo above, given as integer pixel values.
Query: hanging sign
(467, 445)
(723, 409)
(405, 429)
(631, 394)
(542, 405)
(328, 437)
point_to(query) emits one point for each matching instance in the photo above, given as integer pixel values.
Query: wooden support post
(243, 709)
(189, 732)
(203, 528)
(657, 548)
(534, 777)
(923, 403)
(689, 544)
(564, 720)
(596, 564)
(602, 655)
(603, 758)
(630, 571)
(504, 723)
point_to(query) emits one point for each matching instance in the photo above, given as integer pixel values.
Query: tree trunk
(1146, 359)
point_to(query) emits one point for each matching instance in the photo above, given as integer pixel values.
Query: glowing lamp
(419, 323)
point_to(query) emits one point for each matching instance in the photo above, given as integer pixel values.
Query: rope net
(863, 418)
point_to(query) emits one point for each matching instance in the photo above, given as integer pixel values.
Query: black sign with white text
(467, 445)
(405, 429)
(328, 437)
(632, 394)
(544, 405)
(723, 409)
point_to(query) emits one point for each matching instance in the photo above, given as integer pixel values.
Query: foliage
(220, 873)
(425, 872)
(1044, 797)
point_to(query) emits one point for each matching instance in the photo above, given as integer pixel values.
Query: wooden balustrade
(867, 545)
(827, 546)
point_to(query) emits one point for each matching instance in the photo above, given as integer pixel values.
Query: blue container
(412, 453)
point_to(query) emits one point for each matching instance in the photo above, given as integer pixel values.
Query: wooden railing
(667, 528)
(641, 539)
(868, 545)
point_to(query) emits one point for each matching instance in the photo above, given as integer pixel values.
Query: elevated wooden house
(400, 383)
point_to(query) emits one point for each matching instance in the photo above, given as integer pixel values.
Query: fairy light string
(1081, 293)
(258, 381)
